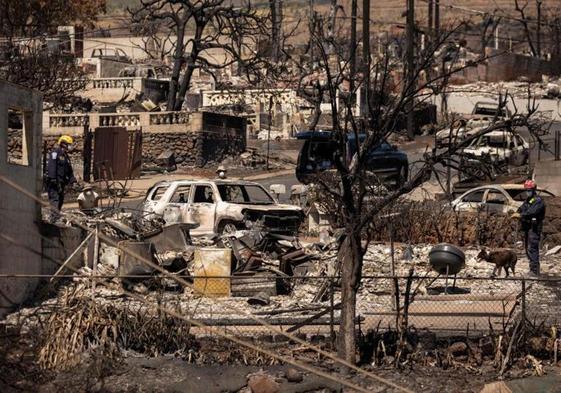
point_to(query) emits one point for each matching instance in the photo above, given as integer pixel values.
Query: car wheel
(225, 228)
(229, 227)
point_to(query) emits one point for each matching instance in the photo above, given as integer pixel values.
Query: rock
(496, 387)
(263, 383)
(458, 349)
(293, 375)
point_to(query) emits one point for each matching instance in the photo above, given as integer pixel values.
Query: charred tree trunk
(276, 16)
(177, 63)
(316, 116)
(410, 68)
(350, 258)
(191, 65)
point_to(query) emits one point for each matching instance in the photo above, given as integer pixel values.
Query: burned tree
(30, 52)
(205, 31)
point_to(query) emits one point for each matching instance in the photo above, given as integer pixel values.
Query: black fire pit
(447, 259)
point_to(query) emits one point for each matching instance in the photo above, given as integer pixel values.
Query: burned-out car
(221, 206)
(500, 145)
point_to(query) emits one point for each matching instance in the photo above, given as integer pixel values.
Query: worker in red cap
(532, 214)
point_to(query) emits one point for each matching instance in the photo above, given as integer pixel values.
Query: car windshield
(488, 110)
(494, 141)
(249, 194)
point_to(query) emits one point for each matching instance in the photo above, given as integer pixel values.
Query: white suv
(219, 206)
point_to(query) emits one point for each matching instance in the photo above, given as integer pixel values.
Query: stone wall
(508, 67)
(191, 149)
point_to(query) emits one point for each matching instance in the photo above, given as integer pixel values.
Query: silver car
(504, 198)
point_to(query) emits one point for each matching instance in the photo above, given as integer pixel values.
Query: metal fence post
(523, 300)
(332, 312)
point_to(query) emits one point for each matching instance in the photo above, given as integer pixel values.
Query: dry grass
(82, 324)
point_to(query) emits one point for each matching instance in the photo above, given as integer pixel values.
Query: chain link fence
(248, 305)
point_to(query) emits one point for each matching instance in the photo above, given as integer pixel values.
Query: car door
(471, 201)
(523, 151)
(515, 158)
(202, 209)
(496, 202)
(178, 206)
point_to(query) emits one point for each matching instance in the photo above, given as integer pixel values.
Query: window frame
(194, 193)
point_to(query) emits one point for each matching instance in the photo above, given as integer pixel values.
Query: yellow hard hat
(66, 139)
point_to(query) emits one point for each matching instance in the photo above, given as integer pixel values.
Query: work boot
(532, 274)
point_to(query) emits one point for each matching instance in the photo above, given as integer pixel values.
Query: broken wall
(20, 241)
(508, 67)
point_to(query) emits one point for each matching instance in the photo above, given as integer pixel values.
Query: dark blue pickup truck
(316, 155)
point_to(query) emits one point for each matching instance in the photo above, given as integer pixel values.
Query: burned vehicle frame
(221, 206)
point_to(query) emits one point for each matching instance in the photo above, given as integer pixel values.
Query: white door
(202, 209)
(178, 206)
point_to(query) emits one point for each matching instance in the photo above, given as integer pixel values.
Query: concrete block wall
(20, 241)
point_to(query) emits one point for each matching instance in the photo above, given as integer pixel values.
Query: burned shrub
(435, 222)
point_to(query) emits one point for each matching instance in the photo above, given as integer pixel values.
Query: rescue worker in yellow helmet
(59, 173)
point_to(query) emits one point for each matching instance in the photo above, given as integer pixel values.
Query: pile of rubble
(547, 89)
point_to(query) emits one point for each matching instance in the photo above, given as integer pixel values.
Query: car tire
(224, 227)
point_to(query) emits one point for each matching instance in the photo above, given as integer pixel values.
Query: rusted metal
(119, 150)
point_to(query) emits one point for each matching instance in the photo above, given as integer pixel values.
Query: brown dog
(505, 259)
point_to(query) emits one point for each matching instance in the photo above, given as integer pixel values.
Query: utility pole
(410, 77)
(437, 18)
(366, 60)
(539, 29)
(430, 20)
(352, 72)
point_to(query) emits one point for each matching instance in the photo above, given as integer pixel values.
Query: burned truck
(216, 207)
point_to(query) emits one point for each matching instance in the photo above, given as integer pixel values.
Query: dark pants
(533, 250)
(56, 199)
